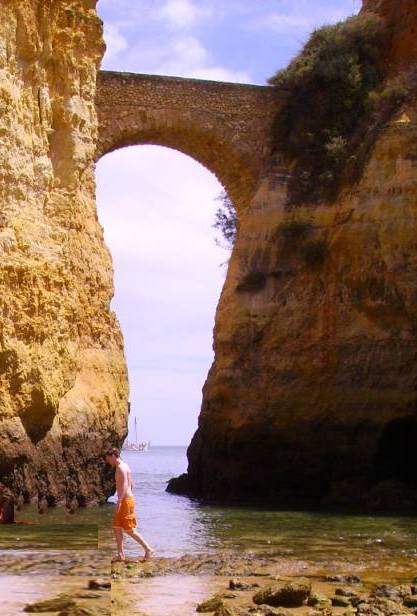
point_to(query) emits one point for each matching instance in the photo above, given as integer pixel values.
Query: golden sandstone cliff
(313, 393)
(63, 386)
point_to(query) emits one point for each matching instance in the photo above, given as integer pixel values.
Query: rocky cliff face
(63, 386)
(313, 393)
(402, 17)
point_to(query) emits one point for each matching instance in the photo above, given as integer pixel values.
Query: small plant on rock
(226, 222)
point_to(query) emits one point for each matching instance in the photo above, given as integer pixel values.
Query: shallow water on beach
(49, 536)
(15, 594)
(175, 525)
(174, 595)
(17, 591)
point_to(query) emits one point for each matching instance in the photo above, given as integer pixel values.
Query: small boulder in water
(343, 579)
(225, 610)
(80, 611)
(99, 585)
(267, 610)
(318, 601)
(344, 592)
(51, 605)
(339, 601)
(290, 595)
(236, 584)
(211, 605)
(410, 601)
(392, 592)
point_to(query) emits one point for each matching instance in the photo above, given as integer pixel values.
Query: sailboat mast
(136, 432)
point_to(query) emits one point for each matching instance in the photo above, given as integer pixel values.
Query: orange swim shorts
(125, 518)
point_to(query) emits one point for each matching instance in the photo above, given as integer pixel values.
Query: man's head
(112, 456)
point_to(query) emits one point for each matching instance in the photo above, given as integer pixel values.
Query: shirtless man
(124, 517)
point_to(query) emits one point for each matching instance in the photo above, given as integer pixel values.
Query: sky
(157, 205)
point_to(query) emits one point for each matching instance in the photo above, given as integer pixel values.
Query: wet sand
(175, 595)
(175, 586)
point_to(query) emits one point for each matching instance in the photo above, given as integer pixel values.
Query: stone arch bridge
(225, 126)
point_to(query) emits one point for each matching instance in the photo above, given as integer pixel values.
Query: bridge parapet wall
(225, 126)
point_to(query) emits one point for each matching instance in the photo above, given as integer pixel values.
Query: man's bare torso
(124, 485)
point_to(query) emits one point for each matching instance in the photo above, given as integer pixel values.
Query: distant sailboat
(134, 445)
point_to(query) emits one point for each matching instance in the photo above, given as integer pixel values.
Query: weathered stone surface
(99, 585)
(210, 605)
(338, 601)
(63, 386)
(51, 605)
(292, 594)
(319, 601)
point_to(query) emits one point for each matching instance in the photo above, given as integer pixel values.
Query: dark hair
(113, 451)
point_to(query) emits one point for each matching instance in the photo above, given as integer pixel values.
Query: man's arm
(121, 485)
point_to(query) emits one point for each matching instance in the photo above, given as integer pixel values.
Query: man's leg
(118, 533)
(135, 535)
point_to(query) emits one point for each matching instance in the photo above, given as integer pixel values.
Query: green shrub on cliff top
(328, 90)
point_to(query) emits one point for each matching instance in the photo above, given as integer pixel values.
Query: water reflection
(387, 543)
(168, 596)
(49, 536)
(17, 591)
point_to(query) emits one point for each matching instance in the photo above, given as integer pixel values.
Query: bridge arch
(226, 127)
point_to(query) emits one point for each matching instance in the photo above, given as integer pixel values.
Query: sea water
(175, 525)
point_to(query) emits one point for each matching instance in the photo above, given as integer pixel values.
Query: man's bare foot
(148, 555)
(119, 559)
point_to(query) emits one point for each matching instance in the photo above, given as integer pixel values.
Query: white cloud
(180, 13)
(219, 73)
(115, 41)
(281, 22)
(182, 56)
(186, 57)
(186, 53)
(300, 16)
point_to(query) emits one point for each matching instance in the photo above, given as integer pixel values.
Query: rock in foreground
(289, 595)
